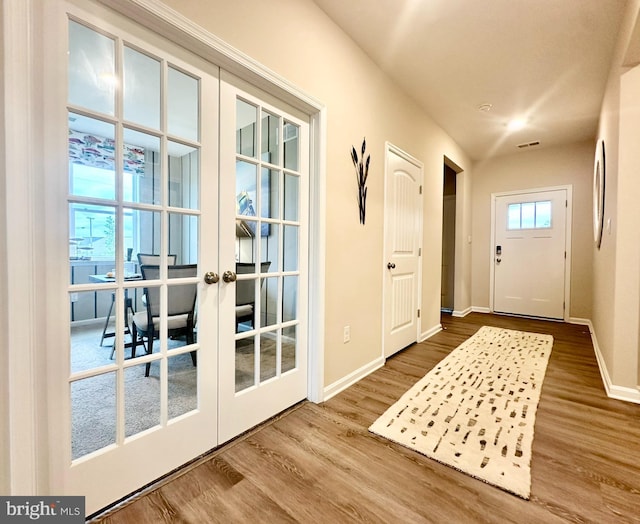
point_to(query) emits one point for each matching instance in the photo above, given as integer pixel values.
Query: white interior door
(529, 253)
(403, 233)
(130, 129)
(264, 195)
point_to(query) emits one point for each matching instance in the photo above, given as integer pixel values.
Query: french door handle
(391, 265)
(211, 278)
(229, 276)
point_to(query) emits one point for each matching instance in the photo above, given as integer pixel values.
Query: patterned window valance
(95, 151)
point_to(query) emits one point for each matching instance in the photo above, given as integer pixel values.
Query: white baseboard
(462, 313)
(430, 332)
(353, 377)
(478, 309)
(617, 392)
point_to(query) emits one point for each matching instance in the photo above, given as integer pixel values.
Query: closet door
(264, 195)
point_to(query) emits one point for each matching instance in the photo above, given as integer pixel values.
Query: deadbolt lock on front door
(229, 276)
(211, 278)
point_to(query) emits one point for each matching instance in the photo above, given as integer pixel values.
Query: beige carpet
(475, 411)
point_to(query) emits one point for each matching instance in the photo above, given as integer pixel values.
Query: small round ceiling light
(485, 108)
(516, 124)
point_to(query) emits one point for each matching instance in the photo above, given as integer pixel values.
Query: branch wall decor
(362, 172)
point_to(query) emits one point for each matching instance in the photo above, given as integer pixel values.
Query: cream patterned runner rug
(475, 411)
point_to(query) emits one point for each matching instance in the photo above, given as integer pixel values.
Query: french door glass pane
(184, 172)
(289, 343)
(91, 157)
(92, 233)
(91, 342)
(268, 301)
(289, 298)
(141, 97)
(290, 132)
(141, 401)
(183, 385)
(183, 105)
(268, 355)
(141, 234)
(270, 138)
(246, 119)
(245, 299)
(245, 363)
(93, 414)
(183, 237)
(269, 193)
(290, 248)
(269, 252)
(291, 198)
(91, 70)
(141, 167)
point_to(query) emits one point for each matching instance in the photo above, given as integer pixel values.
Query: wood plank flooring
(318, 463)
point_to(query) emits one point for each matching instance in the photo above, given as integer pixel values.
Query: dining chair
(148, 259)
(181, 302)
(246, 292)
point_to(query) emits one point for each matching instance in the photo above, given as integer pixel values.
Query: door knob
(391, 265)
(211, 278)
(229, 276)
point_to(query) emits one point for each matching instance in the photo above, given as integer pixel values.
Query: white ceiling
(546, 60)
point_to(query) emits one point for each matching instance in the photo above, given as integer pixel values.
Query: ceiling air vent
(528, 144)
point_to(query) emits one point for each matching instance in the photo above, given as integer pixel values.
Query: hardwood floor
(318, 463)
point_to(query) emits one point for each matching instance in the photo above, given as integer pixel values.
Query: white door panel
(403, 214)
(264, 214)
(529, 253)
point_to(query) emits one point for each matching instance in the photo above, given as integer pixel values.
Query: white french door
(183, 320)
(264, 189)
(530, 253)
(133, 403)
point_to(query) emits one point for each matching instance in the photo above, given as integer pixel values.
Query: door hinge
(565, 255)
(419, 251)
(420, 190)
(418, 313)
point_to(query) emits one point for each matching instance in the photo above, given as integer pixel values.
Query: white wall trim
(430, 332)
(463, 313)
(613, 391)
(23, 144)
(340, 385)
(480, 309)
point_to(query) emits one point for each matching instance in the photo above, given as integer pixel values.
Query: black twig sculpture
(362, 172)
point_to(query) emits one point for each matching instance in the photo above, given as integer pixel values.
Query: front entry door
(403, 231)
(529, 253)
(264, 195)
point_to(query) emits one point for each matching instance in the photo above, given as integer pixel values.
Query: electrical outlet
(346, 337)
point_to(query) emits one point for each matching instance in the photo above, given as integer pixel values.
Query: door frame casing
(390, 148)
(25, 412)
(568, 227)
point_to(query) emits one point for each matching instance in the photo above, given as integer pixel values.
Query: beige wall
(545, 167)
(612, 295)
(297, 41)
